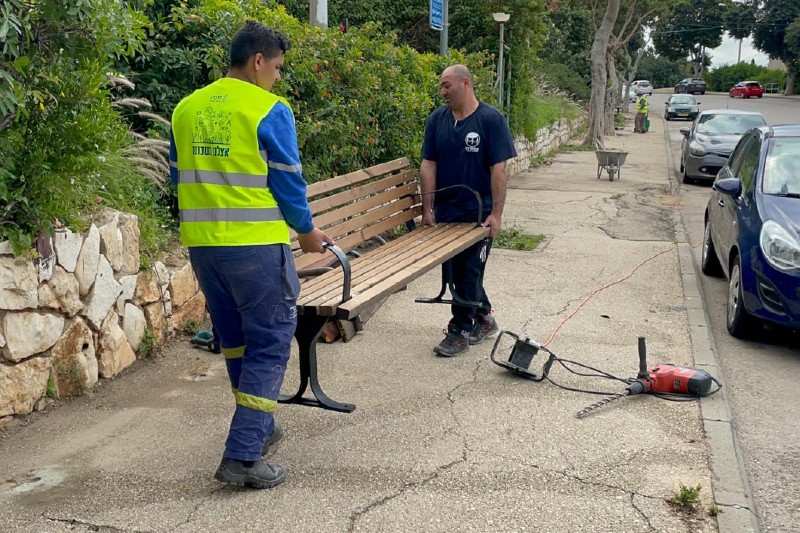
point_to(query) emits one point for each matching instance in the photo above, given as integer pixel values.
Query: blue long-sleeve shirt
(276, 136)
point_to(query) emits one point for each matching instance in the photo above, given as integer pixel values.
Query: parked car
(711, 139)
(752, 230)
(691, 86)
(642, 87)
(681, 106)
(746, 89)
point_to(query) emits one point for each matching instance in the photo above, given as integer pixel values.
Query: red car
(746, 89)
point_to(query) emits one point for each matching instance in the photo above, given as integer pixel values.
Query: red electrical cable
(565, 319)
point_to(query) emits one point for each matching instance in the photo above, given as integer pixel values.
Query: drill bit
(601, 403)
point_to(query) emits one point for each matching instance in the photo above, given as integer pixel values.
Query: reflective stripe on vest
(223, 192)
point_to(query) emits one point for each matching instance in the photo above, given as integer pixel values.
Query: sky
(729, 50)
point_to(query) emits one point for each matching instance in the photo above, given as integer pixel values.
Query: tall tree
(689, 28)
(773, 19)
(599, 68)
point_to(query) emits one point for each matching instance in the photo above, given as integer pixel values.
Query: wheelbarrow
(611, 161)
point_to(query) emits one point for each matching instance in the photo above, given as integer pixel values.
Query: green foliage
(52, 390)
(513, 239)
(359, 97)
(714, 511)
(689, 27)
(687, 498)
(773, 21)
(147, 345)
(63, 138)
(661, 71)
(565, 79)
(726, 76)
(191, 327)
(537, 111)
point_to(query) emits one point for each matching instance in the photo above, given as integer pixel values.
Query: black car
(691, 86)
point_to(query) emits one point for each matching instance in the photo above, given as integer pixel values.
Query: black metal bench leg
(447, 283)
(307, 334)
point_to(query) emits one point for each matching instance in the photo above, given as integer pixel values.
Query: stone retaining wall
(548, 139)
(82, 311)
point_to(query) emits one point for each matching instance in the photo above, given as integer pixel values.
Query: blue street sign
(436, 14)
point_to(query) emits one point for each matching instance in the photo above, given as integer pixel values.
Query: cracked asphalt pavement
(435, 444)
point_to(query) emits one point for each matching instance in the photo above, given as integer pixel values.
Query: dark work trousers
(467, 270)
(251, 294)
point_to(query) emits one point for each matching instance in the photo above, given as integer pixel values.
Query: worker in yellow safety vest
(236, 165)
(642, 109)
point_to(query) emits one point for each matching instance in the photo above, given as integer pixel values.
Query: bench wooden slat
(327, 219)
(352, 307)
(346, 180)
(377, 261)
(358, 193)
(352, 240)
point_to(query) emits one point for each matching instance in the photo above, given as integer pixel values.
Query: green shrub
(726, 76)
(62, 138)
(566, 80)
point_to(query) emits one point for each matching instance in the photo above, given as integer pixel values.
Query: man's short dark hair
(253, 38)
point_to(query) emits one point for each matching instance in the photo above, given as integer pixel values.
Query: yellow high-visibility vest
(223, 193)
(642, 105)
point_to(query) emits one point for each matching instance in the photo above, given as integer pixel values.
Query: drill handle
(643, 373)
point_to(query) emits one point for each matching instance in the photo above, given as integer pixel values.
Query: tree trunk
(612, 100)
(790, 76)
(597, 63)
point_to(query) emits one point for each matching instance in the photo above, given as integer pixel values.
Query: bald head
(456, 89)
(459, 72)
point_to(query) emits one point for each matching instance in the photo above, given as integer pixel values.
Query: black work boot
(454, 343)
(260, 475)
(483, 328)
(275, 436)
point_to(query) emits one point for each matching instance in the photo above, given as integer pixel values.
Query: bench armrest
(342, 257)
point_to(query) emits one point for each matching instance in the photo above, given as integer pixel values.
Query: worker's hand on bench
(428, 220)
(493, 223)
(313, 241)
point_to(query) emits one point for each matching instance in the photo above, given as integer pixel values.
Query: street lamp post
(445, 28)
(502, 18)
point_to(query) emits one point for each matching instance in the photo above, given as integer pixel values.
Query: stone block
(67, 246)
(114, 353)
(104, 295)
(182, 285)
(28, 333)
(61, 292)
(88, 261)
(19, 280)
(22, 385)
(74, 360)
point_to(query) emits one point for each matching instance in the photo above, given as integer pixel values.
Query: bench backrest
(356, 207)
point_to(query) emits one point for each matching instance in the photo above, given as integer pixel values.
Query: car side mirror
(729, 186)
(685, 132)
(698, 103)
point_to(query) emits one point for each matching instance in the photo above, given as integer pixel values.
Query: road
(759, 374)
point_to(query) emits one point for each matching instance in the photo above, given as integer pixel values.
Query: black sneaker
(454, 343)
(483, 328)
(260, 475)
(275, 436)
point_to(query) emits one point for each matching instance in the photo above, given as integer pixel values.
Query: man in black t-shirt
(467, 143)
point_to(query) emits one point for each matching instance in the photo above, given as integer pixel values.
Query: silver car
(711, 139)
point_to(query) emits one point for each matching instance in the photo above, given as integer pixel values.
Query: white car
(642, 87)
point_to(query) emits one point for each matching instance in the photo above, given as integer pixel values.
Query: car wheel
(666, 117)
(703, 93)
(709, 262)
(684, 176)
(741, 324)
(730, 95)
(760, 95)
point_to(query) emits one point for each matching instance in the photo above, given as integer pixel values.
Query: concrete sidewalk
(435, 444)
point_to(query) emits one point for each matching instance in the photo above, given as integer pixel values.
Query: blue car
(752, 230)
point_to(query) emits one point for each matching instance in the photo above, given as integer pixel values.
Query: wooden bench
(355, 209)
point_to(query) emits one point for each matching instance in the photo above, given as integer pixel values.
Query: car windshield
(728, 124)
(782, 168)
(682, 100)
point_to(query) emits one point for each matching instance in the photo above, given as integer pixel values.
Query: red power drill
(664, 379)
(668, 378)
